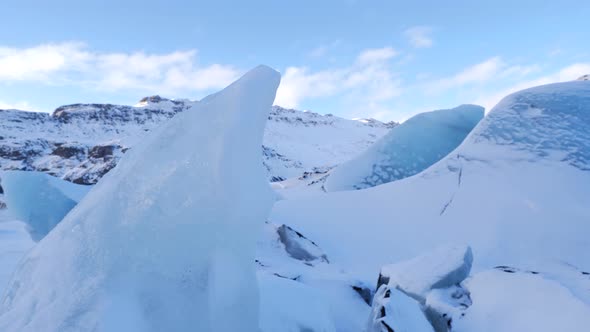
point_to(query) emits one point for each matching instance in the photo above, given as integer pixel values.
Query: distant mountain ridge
(82, 142)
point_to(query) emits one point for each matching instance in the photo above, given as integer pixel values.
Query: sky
(382, 59)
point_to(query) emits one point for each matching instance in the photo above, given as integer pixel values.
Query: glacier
(515, 190)
(489, 238)
(51, 197)
(407, 149)
(166, 240)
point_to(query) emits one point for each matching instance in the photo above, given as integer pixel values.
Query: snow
(508, 302)
(407, 149)
(396, 310)
(302, 281)
(290, 306)
(308, 141)
(51, 198)
(444, 306)
(166, 241)
(441, 268)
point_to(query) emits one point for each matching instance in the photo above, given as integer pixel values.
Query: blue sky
(382, 59)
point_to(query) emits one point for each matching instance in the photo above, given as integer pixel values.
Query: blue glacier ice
(408, 149)
(39, 199)
(165, 241)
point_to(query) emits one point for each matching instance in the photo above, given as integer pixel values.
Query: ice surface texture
(166, 241)
(407, 149)
(39, 199)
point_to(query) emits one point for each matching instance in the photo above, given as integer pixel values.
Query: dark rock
(365, 293)
(68, 151)
(298, 246)
(102, 151)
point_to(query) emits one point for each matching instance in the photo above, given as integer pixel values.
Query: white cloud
(419, 36)
(490, 69)
(568, 73)
(323, 50)
(74, 63)
(480, 72)
(368, 80)
(375, 55)
(23, 105)
(39, 62)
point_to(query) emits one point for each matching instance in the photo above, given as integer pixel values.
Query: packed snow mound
(166, 241)
(407, 149)
(441, 268)
(40, 200)
(509, 302)
(515, 190)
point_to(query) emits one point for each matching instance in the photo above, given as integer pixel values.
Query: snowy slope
(313, 142)
(407, 149)
(81, 142)
(174, 253)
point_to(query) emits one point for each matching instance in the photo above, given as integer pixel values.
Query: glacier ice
(165, 241)
(39, 199)
(407, 149)
(515, 190)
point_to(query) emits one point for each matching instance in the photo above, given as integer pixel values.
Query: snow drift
(166, 241)
(407, 149)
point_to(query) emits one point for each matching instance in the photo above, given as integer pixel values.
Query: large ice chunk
(443, 267)
(39, 199)
(165, 241)
(407, 149)
(393, 310)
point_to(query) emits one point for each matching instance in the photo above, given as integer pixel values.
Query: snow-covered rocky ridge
(81, 142)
